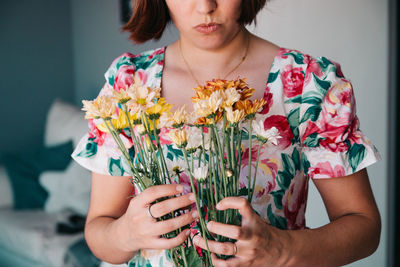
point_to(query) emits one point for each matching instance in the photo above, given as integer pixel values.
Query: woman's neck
(223, 58)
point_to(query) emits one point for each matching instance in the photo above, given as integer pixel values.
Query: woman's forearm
(347, 239)
(105, 239)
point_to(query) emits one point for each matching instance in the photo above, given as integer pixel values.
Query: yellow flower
(119, 123)
(160, 107)
(234, 116)
(102, 107)
(141, 96)
(178, 137)
(121, 97)
(179, 116)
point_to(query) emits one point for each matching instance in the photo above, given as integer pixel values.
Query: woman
(312, 105)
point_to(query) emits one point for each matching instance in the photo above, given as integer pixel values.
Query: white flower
(270, 135)
(206, 107)
(234, 116)
(200, 174)
(165, 120)
(176, 166)
(194, 138)
(231, 96)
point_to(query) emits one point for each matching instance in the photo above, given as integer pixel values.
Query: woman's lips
(207, 28)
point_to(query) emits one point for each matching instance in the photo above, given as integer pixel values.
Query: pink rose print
(325, 170)
(292, 80)
(312, 68)
(124, 77)
(294, 202)
(282, 124)
(267, 97)
(96, 133)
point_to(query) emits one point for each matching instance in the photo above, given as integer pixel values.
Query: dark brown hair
(150, 17)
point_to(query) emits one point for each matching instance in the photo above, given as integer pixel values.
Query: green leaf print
(278, 195)
(115, 167)
(296, 99)
(124, 61)
(324, 63)
(193, 259)
(90, 149)
(296, 159)
(356, 155)
(322, 85)
(298, 57)
(273, 76)
(312, 140)
(312, 113)
(173, 153)
(306, 163)
(276, 220)
(293, 119)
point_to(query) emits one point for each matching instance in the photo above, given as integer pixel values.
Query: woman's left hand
(258, 244)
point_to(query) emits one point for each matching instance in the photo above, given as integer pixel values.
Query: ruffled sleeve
(329, 130)
(97, 151)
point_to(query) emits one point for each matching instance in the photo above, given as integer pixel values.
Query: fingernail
(191, 198)
(179, 188)
(218, 206)
(209, 225)
(187, 233)
(195, 214)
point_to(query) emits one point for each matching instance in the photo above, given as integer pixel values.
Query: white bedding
(32, 233)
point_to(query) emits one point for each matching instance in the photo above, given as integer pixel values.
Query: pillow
(69, 189)
(24, 169)
(5, 189)
(64, 122)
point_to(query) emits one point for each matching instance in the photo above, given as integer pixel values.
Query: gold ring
(149, 212)
(234, 249)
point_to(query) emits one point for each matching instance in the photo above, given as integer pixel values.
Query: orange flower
(250, 107)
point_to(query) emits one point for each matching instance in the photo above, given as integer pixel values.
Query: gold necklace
(226, 75)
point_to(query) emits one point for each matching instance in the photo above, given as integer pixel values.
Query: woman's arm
(352, 234)
(118, 225)
(354, 231)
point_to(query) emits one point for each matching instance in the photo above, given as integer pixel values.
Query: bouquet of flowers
(210, 139)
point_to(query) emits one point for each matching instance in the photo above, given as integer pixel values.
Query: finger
(224, 248)
(155, 192)
(164, 207)
(164, 227)
(222, 263)
(238, 203)
(231, 231)
(164, 243)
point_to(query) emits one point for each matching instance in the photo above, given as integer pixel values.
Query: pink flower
(325, 170)
(294, 202)
(292, 80)
(312, 68)
(124, 77)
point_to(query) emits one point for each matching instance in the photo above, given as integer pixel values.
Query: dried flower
(250, 107)
(178, 137)
(142, 97)
(234, 117)
(194, 138)
(207, 107)
(102, 107)
(121, 96)
(270, 135)
(158, 108)
(230, 97)
(179, 117)
(228, 173)
(200, 174)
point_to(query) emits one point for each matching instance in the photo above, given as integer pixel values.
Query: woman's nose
(206, 6)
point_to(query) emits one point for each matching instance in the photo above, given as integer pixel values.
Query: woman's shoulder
(146, 64)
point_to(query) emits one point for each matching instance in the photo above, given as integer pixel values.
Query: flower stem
(255, 173)
(250, 149)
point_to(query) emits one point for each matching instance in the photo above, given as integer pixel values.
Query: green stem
(255, 173)
(184, 256)
(201, 219)
(250, 148)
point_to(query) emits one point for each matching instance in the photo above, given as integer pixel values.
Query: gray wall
(35, 68)
(98, 40)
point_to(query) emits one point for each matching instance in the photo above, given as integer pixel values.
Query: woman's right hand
(141, 231)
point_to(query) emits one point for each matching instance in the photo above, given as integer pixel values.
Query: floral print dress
(309, 102)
